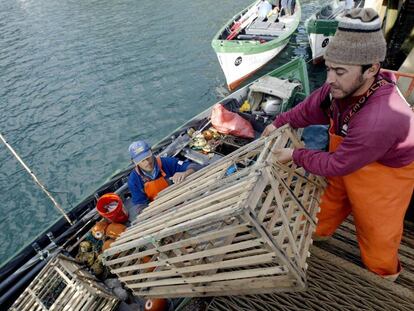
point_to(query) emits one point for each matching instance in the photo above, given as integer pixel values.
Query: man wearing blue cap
(151, 175)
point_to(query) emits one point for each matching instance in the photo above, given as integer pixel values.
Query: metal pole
(58, 207)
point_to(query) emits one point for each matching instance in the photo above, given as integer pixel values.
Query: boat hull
(239, 66)
(239, 58)
(320, 32)
(318, 44)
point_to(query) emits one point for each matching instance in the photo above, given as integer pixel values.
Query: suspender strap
(361, 102)
(327, 105)
(146, 178)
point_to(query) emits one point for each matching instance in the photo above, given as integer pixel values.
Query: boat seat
(266, 28)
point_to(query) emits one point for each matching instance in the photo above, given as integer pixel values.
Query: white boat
(321, 26)
(246, 43)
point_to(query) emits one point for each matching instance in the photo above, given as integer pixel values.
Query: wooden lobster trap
(242, 225)
(63, 285)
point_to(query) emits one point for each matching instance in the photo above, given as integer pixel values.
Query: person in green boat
(370, 162)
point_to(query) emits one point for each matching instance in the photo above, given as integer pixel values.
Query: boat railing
(405, 82)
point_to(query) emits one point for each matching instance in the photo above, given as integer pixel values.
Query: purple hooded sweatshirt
(382, 131)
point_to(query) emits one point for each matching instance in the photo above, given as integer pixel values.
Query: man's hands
(268, 130)
(283, 155)
(180, 176)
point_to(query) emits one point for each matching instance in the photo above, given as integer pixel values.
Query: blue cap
(139, 150)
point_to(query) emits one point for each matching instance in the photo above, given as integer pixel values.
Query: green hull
(320, 26)
(294, 70)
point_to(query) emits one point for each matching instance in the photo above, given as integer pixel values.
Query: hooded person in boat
(153, 174)
(370, 162)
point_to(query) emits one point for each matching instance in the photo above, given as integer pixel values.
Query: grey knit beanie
(358, 39)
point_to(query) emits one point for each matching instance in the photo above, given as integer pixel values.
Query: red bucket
(110, 206)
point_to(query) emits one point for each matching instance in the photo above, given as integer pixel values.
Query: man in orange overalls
(370, 163)
(153, 174)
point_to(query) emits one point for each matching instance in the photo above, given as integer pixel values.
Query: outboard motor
(270, 95)
(271, 105)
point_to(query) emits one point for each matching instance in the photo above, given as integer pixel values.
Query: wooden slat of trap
(202, 205)
(184, 243)
(212, 217)
(242, 274)
(176, 200)
(231, 263)
(211, 252)
(230, 287)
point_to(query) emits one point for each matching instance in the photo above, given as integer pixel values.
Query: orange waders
(378, 197)
(153, 187)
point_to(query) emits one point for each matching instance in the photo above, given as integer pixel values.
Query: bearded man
(370, 163)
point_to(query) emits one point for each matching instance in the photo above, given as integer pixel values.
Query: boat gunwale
(253, 46)
(322, 27)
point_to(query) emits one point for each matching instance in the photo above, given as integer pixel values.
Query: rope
(56, 204)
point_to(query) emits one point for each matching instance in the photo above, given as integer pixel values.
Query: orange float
(156, 304)
(114, 230)
(98, 231)
(107, 244)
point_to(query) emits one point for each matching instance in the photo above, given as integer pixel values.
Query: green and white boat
(248, 41)
(321, 27)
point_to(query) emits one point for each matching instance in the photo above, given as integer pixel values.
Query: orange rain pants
(153, 187)
(378, 197)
